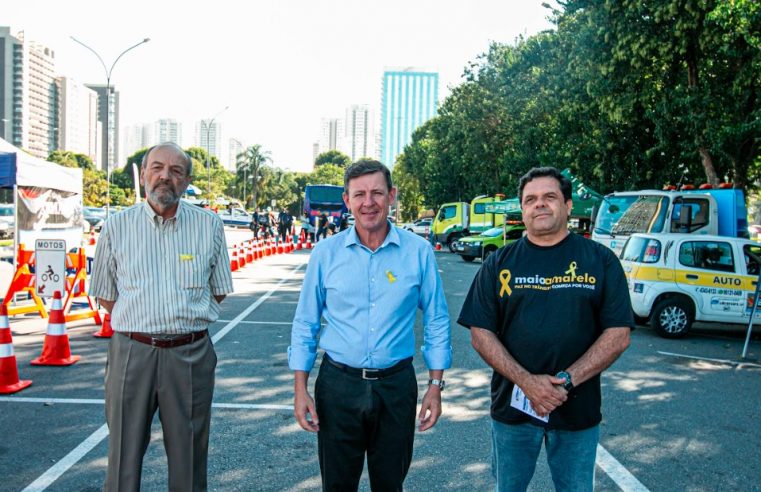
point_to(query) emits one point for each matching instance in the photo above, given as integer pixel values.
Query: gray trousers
(179, 382)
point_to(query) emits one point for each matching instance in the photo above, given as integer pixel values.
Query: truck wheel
(451, 240)
(672, 318)
(468, 258)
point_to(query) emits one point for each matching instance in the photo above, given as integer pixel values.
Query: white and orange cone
(55, 348)
(9, 381)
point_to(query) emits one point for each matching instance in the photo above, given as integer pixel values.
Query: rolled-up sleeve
(306, 323)
(437, 342)
(104, 269)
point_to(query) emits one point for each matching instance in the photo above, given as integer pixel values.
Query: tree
(68, 158)
(94, 186)
(248, 164)
(409, 197)
(327, 174)
(334, 157)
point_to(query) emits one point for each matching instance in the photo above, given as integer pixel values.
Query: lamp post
(108, 72)
(208, 147)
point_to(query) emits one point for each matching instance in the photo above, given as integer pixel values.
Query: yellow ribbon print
(184, 257)
(504, 279)
(571, 269)
(390, 275)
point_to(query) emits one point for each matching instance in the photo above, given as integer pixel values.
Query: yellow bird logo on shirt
(390, 276)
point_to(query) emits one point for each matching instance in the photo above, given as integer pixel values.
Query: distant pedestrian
(255, 223)
(284, 223)
(161, 269)
(322, 226)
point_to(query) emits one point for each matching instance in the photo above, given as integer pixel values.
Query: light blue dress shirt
(369, 300)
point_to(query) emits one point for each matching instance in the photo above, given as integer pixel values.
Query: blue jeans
(570, 454)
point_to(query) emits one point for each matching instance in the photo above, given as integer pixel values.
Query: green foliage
(409, 197)
(327, 174)
(334, 157)
(71, 159)
(250, 166)
(94, 188)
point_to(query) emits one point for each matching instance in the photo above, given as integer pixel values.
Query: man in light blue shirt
(368, 282)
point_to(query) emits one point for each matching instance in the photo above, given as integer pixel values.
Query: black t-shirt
(548, 305)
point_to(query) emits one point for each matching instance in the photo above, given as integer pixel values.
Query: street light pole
(108, 72)
(208, 150)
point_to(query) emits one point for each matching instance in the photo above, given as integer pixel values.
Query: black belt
(371, 374)
(163, 342)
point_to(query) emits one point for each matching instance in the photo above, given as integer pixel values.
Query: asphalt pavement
(678, 414)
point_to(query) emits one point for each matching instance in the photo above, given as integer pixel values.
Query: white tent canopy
(22, 169)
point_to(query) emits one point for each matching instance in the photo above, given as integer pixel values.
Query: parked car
(420, 227)
(95, 217)
(676, 279)
(481, 246)
(237, 217)
(7, 220)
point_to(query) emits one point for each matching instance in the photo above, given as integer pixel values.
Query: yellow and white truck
(458, 219)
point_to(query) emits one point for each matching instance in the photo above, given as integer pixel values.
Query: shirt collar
(156, 219)
(391, 238)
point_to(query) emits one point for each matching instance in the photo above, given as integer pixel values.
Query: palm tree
(248, 164)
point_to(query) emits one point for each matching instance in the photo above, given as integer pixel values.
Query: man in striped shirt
(161, 269)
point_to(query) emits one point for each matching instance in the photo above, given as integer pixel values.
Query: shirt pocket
(193, 275)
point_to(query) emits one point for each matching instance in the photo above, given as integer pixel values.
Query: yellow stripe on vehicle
(705, 278)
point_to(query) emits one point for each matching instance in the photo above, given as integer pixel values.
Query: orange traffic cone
(234, 262)
(9, 381)
(91, 241)
(309, 242)
(105, 330)
(55, 348)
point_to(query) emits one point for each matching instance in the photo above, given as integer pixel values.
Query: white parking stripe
(739, 364)
(71, 459)
(96, 437)
(617, 472)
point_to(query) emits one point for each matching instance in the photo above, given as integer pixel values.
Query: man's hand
(430, 409)
(304, 410)
(303, 404)
(545, 392)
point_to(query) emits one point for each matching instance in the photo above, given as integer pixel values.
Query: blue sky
(279, 65)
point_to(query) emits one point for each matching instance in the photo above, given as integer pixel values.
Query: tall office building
(410, 98)
(28, 94)
(234, 148)
(359, 127)
(78, 122)
(167, 130)
(208, 136)
(109, 138)
(136, 137)
(331, 134)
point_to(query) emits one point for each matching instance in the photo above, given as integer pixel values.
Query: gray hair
(183, 155)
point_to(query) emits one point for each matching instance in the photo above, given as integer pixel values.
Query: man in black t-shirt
(548, 313)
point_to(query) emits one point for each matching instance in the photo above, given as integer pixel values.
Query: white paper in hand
(523, 404)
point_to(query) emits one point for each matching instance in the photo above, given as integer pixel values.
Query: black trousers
(358, 416)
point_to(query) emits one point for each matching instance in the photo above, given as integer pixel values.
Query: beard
(164, 195)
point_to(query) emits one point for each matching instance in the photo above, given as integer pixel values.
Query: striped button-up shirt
(162, 274)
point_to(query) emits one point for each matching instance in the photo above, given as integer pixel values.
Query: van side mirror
(685, 218)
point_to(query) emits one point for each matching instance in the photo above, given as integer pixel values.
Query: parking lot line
(71, 459)
(617, 472)
(739, 364)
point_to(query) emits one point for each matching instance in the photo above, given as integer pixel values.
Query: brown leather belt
(371, 374)
(165, 342)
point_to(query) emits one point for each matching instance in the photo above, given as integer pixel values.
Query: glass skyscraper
(410, 98)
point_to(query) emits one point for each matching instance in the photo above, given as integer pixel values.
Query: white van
(675, 279)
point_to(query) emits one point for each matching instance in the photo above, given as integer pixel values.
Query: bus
(324, 198)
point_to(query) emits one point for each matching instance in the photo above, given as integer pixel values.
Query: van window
(707, 255)
(641, 250)
(479, 208)
(752, 255)
(698, 214)
(448, 212)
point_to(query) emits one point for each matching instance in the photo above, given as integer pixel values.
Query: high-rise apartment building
(234, 148)
(359, 127)
(78, 119)
(410, 97)
(108, 116)
(167, 130)
(208, 136)
(331, 134)
(28, 94)
(136, 137)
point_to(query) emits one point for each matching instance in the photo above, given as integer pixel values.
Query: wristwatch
(437, 382)
(568, 385)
